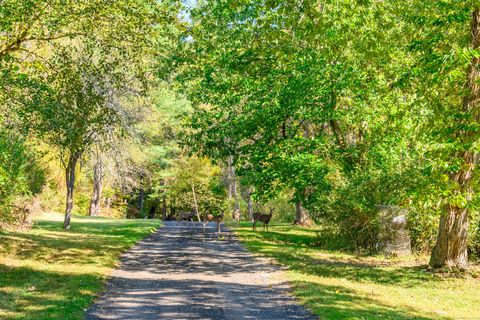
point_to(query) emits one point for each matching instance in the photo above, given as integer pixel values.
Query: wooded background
(322, 109)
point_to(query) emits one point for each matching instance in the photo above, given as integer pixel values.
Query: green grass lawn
(49, 273)
(341, 285)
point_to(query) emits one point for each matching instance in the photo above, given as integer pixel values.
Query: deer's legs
(253, 225)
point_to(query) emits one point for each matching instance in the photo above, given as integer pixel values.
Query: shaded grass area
(336, 284)
(49, 273)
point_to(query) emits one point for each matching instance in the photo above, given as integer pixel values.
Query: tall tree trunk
(247, 197)
(172, 210)
(250, 207)
(70, 183)
(108, 202)
(235, 197)
(164, 208)
(97, 188)
(451, 247)
(153, 210)
(195, 203)
(234, 189)
(230, 177)
(301, 215)
(141, 197)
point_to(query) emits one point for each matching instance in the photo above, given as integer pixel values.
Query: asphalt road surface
(182, 272)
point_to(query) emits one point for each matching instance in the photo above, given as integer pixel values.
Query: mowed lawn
(49, 273)
(340, 285)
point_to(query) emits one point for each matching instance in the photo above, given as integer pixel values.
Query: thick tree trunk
(451, 247)
(70, 183)
(97, 189)
(301, 215)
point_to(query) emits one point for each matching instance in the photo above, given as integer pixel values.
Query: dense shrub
(351, 201)
(21, 176)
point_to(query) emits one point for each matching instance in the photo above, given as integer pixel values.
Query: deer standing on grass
(236, 216)
(210, 217)
(188, 215)
(264, 218)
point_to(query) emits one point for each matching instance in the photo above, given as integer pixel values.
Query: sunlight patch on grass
(340, 285)
(50, 273)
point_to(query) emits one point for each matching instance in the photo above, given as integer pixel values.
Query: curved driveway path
(185, 273)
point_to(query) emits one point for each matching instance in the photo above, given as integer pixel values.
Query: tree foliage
(350, 104)
(21, 175)
(71, 70)
(339, 105)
